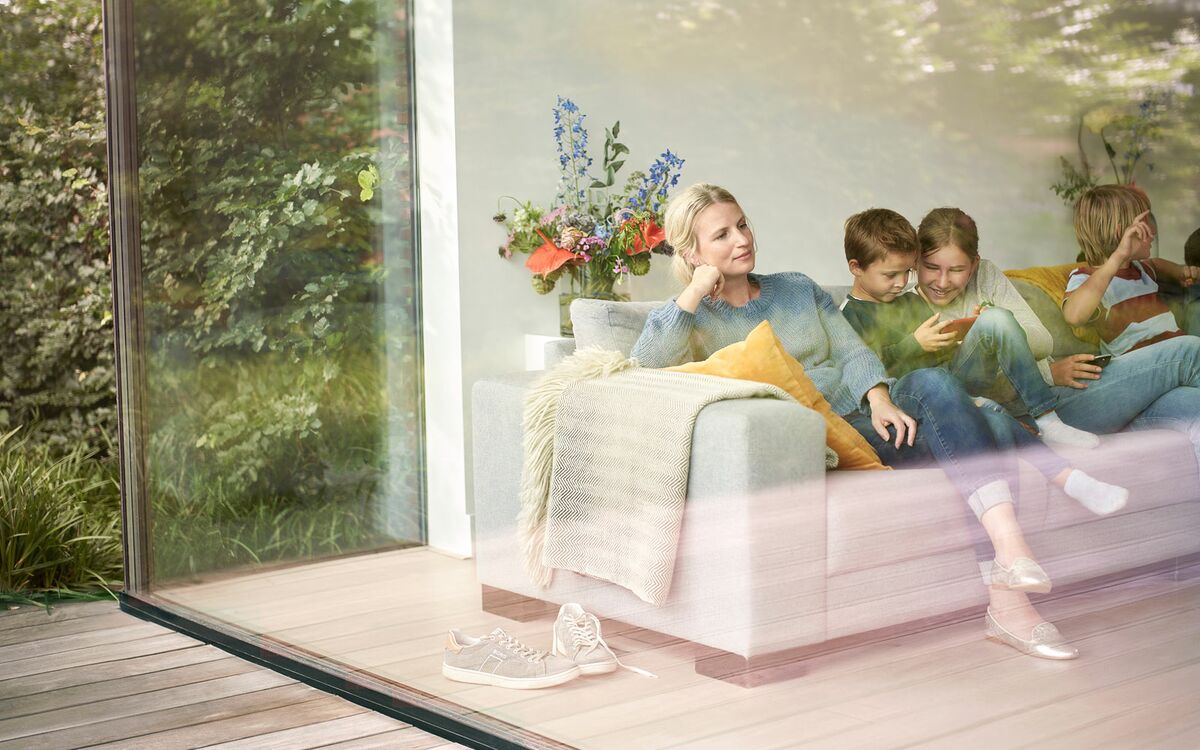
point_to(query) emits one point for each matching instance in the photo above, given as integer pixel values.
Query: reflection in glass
(279, 282)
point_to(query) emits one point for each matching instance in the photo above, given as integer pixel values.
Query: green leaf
(616, 129)
(599, 184)
(619, 148)
(639, 265)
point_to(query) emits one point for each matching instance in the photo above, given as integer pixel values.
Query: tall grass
(60, 531)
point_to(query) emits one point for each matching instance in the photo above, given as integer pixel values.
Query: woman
(1152, 387)
(722, 303)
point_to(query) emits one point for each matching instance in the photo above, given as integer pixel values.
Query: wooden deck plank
(82, 695)
(133, 705)
(41, 631)
(158, 644)
(129, 631)
(181, 736)
(365, 724)
(292, 696)
(400, 739)
(67, 678)
(19, 616)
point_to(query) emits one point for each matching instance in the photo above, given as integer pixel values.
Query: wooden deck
(89, 675)
(1134, 686)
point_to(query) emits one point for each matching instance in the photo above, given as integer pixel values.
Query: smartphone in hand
(960, 327)
(1101, 360)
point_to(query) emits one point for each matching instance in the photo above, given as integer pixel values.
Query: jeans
(1154, 387)
(1011, 435)
(997, 344)
(952, 433)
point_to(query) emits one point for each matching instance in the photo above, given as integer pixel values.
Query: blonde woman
(723, 301)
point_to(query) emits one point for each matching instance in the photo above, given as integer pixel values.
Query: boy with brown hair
(881, 251)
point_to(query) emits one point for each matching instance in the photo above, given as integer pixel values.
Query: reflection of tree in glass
(56, 370)
(264, 270)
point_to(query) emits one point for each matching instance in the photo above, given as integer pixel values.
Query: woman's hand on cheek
(885, 414)
(706, 282)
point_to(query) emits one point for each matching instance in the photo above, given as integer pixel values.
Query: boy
(881, 250)
(1118, 293)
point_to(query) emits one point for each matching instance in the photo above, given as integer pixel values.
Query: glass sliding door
(278, 367)
(281, 321)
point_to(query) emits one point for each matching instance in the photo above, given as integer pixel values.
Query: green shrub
(59, 520)
(56, 374)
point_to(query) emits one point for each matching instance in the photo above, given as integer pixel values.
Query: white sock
(1099, 497)
(1054, 430)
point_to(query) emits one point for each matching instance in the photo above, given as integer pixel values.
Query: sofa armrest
(750, 575)
(556, 350)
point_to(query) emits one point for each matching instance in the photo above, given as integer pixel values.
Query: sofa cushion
(762, 359)
(609, 325)
(1065, 342)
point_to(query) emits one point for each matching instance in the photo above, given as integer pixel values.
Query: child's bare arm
(1182, 275)
(1079, 308)
(1081, 305)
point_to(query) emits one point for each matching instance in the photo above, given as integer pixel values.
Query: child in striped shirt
(1118, 293)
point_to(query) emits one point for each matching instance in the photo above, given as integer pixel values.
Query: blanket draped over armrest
(607, 451)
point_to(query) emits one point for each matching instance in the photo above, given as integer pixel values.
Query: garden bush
(59, 520)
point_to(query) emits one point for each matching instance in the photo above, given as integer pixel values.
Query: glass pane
(280, 289)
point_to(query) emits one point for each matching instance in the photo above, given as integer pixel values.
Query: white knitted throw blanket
(607, 451)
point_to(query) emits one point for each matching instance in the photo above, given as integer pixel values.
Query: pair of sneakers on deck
(500, 659)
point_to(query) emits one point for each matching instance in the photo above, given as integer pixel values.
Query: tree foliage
(56, 371)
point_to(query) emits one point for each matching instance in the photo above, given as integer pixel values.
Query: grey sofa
(779, 559)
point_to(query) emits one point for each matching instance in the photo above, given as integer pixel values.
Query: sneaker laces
(585, 633)
(520, 649)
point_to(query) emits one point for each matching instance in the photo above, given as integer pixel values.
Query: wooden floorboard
(930, 687)
(88, 675)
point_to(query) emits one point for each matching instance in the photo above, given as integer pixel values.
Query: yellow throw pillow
(762, 358)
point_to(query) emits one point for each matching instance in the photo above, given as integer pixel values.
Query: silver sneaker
(501, 660)
(577, 637)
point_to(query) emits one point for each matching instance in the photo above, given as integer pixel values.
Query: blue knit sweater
(805, 320)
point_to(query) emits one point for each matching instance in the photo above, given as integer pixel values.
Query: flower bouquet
(593, 234)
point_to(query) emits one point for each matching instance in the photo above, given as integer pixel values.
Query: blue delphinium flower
(571, 139)
(660, 178)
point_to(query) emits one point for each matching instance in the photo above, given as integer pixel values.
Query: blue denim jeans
(997, 344)
(952, 433)
(1154, 387)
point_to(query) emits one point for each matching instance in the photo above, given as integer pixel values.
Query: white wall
(806, 111)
